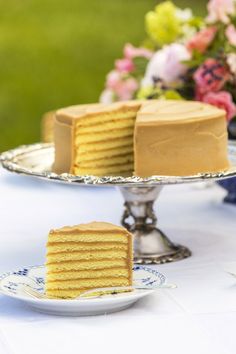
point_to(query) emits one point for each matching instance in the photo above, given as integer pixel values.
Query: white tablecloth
(197, 317)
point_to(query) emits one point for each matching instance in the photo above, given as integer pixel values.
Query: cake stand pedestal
(151, 245)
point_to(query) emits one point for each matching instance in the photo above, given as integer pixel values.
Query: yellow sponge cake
(87, 256)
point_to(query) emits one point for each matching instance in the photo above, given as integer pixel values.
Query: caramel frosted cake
(87, 256)
(143, 138)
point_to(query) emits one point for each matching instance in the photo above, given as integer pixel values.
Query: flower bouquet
(184, 57)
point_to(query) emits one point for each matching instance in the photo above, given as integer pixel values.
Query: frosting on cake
(180, 138)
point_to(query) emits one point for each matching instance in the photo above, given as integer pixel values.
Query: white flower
(188, 33)
(107, 96)
(165, 65)
(184, 15)
(231, 61)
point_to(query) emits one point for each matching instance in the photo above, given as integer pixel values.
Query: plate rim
(137, 294)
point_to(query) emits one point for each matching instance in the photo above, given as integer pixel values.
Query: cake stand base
(151, 246)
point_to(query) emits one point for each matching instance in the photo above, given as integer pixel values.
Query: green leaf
(196, 21)
(140, 66)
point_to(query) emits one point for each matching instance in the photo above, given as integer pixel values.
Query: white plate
(12, 284)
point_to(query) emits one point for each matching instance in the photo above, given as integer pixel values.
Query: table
(197, 317)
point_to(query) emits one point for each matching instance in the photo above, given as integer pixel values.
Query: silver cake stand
(151, 246)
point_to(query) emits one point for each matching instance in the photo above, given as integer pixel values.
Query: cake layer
(86, 265)
(57, 247)
(87, 283)
(103, 171)
(89, 237)
(104, 117)
(105, 145)
(102, 136)
(83, 274)
(113, 160)
(94, 227)
(85, 255)
(118, 123)
(66, 294)
(110, 153)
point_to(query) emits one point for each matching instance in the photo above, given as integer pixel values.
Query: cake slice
(87, 256)
(95, 139)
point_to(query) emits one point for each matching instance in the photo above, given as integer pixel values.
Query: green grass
(55, 53)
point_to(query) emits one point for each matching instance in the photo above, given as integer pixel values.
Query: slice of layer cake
(180, 138)
(87, 256)
(95, 139)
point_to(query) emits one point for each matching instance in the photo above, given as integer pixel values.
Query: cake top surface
(149, 111)
(71, 113)
(162, 111)
(68, 114)
(90, 227)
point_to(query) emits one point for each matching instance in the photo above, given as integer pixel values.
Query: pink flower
(210, 76)
(231, 34)
(202, 39)
(219, 10)
(121, 85)
(126, 89)
(223, 100)
(124, 65)
(113, 79)
(131, 52)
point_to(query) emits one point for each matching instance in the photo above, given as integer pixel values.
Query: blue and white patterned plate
(13, 283)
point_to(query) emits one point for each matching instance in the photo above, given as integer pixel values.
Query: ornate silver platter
(151, 246)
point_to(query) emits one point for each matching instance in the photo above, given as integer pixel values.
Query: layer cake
(87, 256)
(143, 138)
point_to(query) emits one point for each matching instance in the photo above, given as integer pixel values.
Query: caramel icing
(180, 138)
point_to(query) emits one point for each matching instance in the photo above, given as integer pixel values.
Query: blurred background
(55, 53)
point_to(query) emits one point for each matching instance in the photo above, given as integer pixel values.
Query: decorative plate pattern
(37, 159)
(12, 284)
